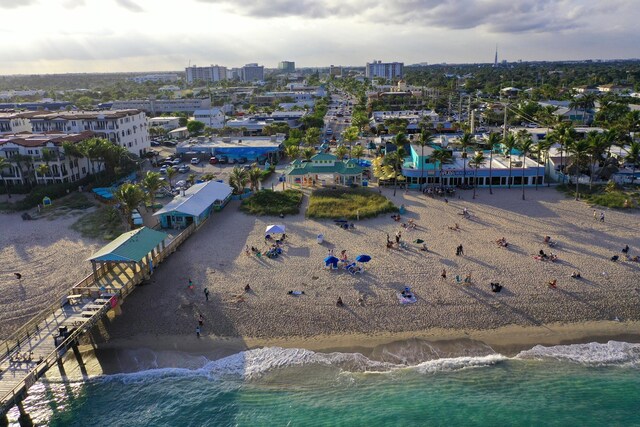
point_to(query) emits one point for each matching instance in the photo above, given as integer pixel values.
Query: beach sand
(49, 256)
(166, 310)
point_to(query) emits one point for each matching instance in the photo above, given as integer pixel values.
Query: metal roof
(197, 198)
(132, 246)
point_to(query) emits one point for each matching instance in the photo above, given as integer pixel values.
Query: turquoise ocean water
(574, 385)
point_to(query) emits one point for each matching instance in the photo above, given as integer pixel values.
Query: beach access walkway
(44, 340)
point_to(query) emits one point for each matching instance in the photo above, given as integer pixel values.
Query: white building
(386, 70)
(15, 122)
(8, 94)
(213, 117)
(167, 123)
(126, 128)
(155, 78)
(62, 168)
(212, 73)
(159, 106)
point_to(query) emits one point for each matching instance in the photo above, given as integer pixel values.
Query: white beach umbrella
(275, 229)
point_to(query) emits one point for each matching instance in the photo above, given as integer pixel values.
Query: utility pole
(504, 126)
(469, 114)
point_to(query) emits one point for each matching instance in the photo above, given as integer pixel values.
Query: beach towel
(404, 300)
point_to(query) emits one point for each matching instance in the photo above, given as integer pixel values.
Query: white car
(136, 218)
(195, 161)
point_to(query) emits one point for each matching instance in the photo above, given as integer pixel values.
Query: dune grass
(104, 223)
(268, 202)
(348, 203)
(609, 196)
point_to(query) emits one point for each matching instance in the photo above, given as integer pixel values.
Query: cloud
(13, 4)
(498, 16)
(72, 4)
(130, 5)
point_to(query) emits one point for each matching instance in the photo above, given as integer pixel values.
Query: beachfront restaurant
(324, 169)
(251, 149)
(194, 205)
(419, 169)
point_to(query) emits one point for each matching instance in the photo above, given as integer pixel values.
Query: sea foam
(593, 354)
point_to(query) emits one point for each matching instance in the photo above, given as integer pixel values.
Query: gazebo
(324, 169)
(134, 249)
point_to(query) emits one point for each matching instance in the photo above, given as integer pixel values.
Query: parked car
(214, 160)
(155, 143)
(246, 167)
(223, 159)
(242, 160)
(195, 161)
(184, 169)
(181, 184)
(163, 170)
(176, 162)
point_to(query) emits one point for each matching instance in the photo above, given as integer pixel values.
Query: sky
(61, 36)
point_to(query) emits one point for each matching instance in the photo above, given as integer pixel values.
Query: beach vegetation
(269, 202)
(238, 179)
(152, 184)
(130, 196)
(103, 223)
(611, 195)
(348, 203)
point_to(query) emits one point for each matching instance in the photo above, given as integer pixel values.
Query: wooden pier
(42, 342)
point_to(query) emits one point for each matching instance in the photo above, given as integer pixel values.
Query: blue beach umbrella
(363, 258)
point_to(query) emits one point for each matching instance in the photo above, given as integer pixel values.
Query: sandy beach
(49, 256)
(215, 258)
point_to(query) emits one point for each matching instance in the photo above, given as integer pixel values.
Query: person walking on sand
(198, 331)
(200, 320)
(601, 216)
(553, 283)
(595, 215)
(444, 274)
(190, 284)
(206, 294)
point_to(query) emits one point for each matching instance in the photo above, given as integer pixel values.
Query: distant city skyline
(63, 36)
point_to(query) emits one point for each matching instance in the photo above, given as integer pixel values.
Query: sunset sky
(50, 36)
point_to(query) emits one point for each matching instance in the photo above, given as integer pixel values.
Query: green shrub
(53, 191)
(348, 204)
(268, 202)
(104, 223)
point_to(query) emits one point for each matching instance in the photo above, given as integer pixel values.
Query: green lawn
(348, 203)
(268, 202)
(104, 223)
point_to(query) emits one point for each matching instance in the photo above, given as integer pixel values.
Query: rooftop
(132, 246)
(197, 198)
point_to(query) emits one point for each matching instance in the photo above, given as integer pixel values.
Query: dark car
(214, 160)
(223, 159)
(242, 160)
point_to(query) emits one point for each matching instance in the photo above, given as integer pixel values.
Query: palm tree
(477, 161)
(171, 173)
(254, 176)
(424, 140)
(578, 149)
(563, 135)
(308, 153)
(493, 141)
(441, 157)
(509, 143)
(524, 146)
(43, 170)
(4, 164)
(466, 141)
(357, 152)
(597, 146)
(341, 151)
(396, 160)
(130, 196)
(74, 152)
(292, 151)
(20, 160)
(633, 157)
(238, 179)
(152, 183)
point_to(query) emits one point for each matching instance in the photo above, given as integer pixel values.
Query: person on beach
(398, 236)
(246, 250)
(553, 283)
(198, 331)
(206, 294)
(576, 275)
(444, 274)
(601, 216)
(190, 284)
(247, 288)
(18, 276)
(625, 249)
(339, 303)
(200, 320)
(595, 215)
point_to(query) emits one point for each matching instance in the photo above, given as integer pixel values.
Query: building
(324, 169)
(8, 94)
(214, 117)
(335, 71)
(252, 148)
(268, 98)
(159, 106)
(37, 106)
(416, 119)
(155, 78)
(252, 72)
(62, 168)
(195, 205)
(385, 70)
(613, 88)
(257, 122)
(212, 73)
(287, 66)
(234, 74)
(15, 122)
(126, 128)
(166, 123)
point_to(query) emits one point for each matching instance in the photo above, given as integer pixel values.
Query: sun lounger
(74, 299)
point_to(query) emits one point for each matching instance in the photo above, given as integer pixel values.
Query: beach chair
(459, 280)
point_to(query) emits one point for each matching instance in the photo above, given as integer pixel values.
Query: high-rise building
(212, 73)
(386, 70)
(287, 66)
(335, 70)
(252, 72)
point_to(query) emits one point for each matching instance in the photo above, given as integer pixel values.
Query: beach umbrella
(275, 229)
(331, 260)
(418, 241)
(363, 258)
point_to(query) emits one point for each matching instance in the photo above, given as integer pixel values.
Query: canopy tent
(275, 229)
(363, 258)
(331, 260)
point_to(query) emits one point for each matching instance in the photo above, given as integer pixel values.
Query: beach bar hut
(194, 205)
(134, 249)
(324, 169)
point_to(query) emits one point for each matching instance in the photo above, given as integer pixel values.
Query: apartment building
(386, 70)
(159, 106)
(62, 168)
(212, 73)
(15, 122)
(214, 117)
(252, 72)
(127, 128)
(167, 123)
(287, 66)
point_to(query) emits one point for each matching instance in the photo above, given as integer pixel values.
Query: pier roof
(132, 246)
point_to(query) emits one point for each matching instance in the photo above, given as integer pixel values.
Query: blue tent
(331, 260)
